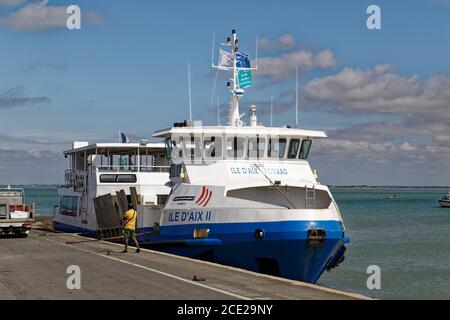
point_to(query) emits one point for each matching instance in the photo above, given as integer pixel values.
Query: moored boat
(240, 195)
(444, 201)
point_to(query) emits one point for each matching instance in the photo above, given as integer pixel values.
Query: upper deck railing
(132, 168)
(77, 179)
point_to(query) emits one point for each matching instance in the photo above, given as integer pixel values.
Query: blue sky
(382, 95)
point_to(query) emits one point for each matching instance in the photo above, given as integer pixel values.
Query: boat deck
(35, 268)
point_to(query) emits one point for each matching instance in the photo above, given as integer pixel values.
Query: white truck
(16, 217)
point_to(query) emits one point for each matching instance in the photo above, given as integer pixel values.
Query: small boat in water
(444, 201)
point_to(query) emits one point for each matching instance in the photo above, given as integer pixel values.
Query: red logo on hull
(204, 198)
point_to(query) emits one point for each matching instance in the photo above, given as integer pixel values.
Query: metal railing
(132, 168)
(75, 179)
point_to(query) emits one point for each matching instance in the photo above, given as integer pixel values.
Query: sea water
(408, 238)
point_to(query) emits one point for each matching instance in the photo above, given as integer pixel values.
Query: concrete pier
(35, 268)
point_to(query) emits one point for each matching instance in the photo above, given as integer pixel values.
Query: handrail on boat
(132, 168)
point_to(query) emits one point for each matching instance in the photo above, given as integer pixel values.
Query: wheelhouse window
(256, 147)
(118, 178)
(293, 148)
(235, 147)
(193, 148)
(169, 147)
(174, 148)
(276, 148)
(304, 149)
(212, 147)
(69, 206)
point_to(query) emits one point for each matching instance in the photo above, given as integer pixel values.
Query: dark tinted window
(131, 178)
(304, 150)
(293, 148)
(69, 206)
(276, 148)
(118, 178)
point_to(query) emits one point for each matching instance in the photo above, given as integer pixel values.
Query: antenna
(214, 89)
(256, 53)
(271, 111)
(296, 97)
(212, 50)
(190, 98)
(218, 112)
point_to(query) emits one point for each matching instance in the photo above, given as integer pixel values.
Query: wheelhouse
(210, 144)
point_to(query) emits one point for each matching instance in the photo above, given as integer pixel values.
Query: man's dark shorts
(129, 233)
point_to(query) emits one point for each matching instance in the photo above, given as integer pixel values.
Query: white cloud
(380, 90)
(283, 66)
(283, 42)
(407, 147)
(40, 16)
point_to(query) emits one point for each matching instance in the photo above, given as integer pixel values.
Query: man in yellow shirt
(129, 227)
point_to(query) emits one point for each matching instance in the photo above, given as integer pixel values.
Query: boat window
(69, 206)
(212, 147)
(169, 147)
(304, 149)
(293, 148)
(256, 147)
(276, 148)
(174, 149)
(193, 148)
(235, 147)
(118, 178)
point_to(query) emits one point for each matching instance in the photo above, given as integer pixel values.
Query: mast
(229, 62)
(234, 119)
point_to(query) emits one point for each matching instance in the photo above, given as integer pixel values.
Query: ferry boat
(106, 168)
(239, 195)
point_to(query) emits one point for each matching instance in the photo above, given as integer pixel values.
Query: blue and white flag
(123, 137)
(225, 59)
(242, 60)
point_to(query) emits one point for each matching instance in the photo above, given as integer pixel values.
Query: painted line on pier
(154, 270)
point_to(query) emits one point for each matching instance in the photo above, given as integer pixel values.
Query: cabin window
(293, 148)
(256, 147)
(69, 206)
(212, 147)
(118, 178)
(169, 148)
(277, 148)
(193, 147)
(174, 149)
(304, 149)
(235, 147)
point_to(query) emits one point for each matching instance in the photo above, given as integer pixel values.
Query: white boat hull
(444, 204)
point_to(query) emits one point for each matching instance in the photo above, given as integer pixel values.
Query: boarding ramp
(109, 210)
(109, 218)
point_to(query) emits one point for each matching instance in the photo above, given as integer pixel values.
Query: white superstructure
(104, 168)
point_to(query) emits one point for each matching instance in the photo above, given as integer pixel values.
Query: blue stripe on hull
(284, 251)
